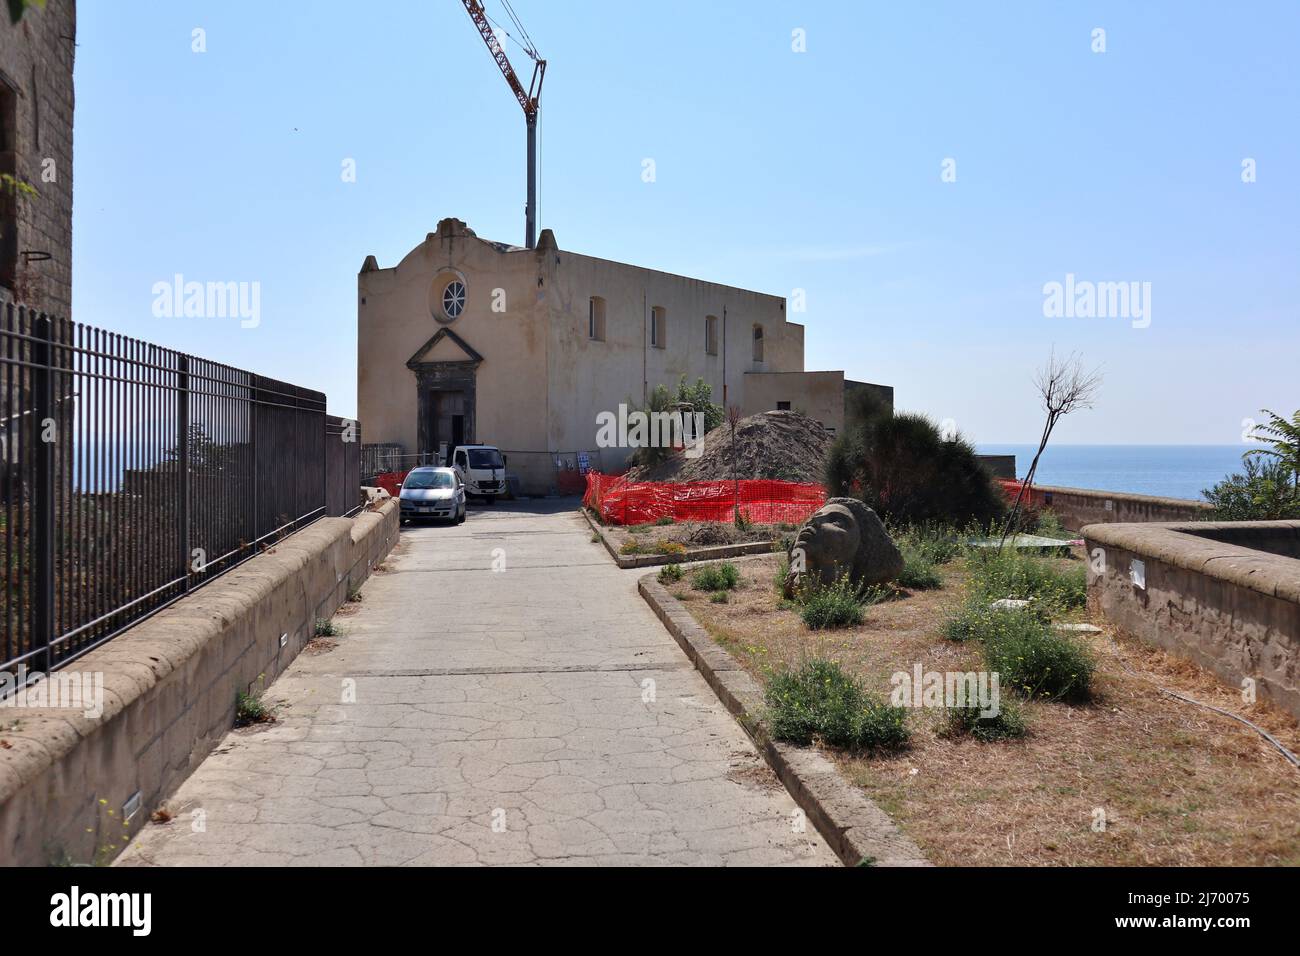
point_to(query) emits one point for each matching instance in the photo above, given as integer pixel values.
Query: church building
(470, 341)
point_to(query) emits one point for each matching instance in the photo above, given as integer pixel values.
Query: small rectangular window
(658, 327)
(782, 406)
(596, 319)
(711, 334)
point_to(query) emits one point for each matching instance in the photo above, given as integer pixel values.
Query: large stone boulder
(843, 536)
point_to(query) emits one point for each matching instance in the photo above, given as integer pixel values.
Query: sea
(1171, 471)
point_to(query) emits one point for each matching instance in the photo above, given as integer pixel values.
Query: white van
(482, 468)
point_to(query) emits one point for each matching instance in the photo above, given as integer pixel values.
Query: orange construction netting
(619, 501)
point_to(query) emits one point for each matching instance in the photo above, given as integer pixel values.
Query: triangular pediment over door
(444, 346)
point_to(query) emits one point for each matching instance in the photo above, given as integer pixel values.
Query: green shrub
(326, 627)
(1264, 492)
(976, 621)
(662, 400)
(782, 571)
(1020, 576)
(700, 398)
(918, 574)
(1036, 661)
(718, 597)
(670, 574)
(665, 520)
(1008, 723)
(1049, 525)
(818, 701)
(935, 543)
(831, 606)
(923, 547)
(837, 605)
(901, 466)
(716, 577)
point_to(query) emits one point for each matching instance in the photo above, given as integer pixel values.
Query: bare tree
(1063, 387)
(733, 419)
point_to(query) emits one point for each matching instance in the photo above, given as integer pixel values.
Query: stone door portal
(445, 393)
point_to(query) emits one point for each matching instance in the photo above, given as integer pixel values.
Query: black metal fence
(376, 459)
(133, 473)
(342, 465)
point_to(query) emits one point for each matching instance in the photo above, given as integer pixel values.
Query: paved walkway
(499, 717)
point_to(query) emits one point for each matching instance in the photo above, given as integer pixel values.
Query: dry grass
(1179, 785)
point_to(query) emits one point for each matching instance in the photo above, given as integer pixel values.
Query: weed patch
(1026, 577)
(1008, 723)
(670, 574)
(820, 702)
(716, 577)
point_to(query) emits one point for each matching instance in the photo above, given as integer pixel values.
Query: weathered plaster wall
(1233, 609)
(170, 686)
(36, 57)
(883, 393)
(395, 312)
(589, 377)
(818, 395)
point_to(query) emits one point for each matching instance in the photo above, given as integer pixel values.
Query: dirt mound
(784, 446)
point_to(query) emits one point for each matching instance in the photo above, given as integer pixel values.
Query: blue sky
(775, 170)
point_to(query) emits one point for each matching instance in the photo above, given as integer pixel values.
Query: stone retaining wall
(1077, 507)
(67, 781)
(1225, 595)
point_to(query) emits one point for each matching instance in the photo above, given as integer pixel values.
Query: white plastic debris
(1009, 604)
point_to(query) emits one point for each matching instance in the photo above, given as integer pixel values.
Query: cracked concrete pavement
(501, 695)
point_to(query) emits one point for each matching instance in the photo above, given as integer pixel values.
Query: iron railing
(134, 473)
(383, 457)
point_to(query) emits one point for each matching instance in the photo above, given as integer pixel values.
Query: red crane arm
(528, 99)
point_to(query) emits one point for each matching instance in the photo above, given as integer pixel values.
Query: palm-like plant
(1284, 438)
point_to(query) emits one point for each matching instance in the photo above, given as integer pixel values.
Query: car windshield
(485, 458)
(429, 479)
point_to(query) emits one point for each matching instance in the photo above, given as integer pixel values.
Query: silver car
(433, 493)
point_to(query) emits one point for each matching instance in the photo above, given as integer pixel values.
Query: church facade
(470, 341)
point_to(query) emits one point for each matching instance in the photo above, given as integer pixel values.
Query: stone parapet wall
(67, 781)
(1077, 507)
(1232, 606)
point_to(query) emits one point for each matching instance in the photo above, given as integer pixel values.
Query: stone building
(467, 340)
(36, 101)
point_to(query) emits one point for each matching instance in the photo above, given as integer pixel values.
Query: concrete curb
(715, 553)
(856, 829)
